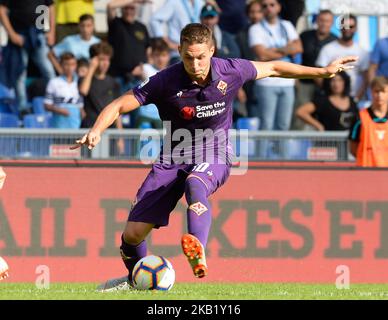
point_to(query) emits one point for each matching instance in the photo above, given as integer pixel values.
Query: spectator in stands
(254, 13)
(68, 13)
(174, 14)
(313, 41)
(25, 41)
(226, 46)
(160, 57)
(379, 60)
(274, 39)
(232, 16)
(292, 10)
(345, 46)
(130, 41)
(369, 134)
(333, 111)
(62, 96)
(77, 44)
(82, 67)
(146, 10)
(97, 87)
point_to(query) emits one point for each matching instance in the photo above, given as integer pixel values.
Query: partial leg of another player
(133, 248)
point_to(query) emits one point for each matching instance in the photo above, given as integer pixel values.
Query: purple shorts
(165, 185)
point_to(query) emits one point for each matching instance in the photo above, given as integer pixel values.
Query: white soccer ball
(153, 273)
(4, 269)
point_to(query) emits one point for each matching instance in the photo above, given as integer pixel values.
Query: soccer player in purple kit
(196, 93)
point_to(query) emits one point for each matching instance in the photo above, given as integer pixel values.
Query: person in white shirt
(175, 15)
(77, 44)
(346, 46)
(274, 39)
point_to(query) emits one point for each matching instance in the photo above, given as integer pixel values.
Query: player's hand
(91, 139)
(339, 65)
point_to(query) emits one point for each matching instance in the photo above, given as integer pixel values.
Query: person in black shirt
(292, 10)
(334, 111)
(313, 41)
(98, 88)
(20, 21)
(130, 41)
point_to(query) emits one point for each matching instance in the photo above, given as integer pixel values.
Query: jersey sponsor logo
(202, 111)
(187, 113)
(222, 86)
(380, 134)
(199, 208)
(210, 110)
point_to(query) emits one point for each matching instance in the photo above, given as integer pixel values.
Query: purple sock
(132, 254)
(199, 216)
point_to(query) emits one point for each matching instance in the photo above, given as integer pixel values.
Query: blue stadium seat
(37, 121)
(8, 120)
(8, 145)
(251, 124)
(248, 123)
(38, 105)
(8, 100)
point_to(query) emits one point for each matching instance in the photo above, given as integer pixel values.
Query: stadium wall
(277, 223)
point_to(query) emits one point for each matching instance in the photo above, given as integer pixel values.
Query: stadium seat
(38, 105)
(37, 121)
(8, 100)
(8, 144)
(251, 124)
(8, 120)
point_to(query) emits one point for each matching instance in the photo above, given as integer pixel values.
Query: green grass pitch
(191, 291)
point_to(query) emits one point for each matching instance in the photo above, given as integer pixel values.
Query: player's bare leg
(199, 221)
(133, 248)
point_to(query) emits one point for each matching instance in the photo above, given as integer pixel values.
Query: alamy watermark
(178, 146)
(42, 280)
(42, 22)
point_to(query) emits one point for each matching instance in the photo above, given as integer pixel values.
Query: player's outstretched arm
(106, 118)
(284, 69)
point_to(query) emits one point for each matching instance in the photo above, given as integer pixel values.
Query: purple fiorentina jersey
(187, 105)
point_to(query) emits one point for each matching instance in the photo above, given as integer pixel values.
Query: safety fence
(135, 144)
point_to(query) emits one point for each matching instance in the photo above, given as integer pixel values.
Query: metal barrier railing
(134, 144)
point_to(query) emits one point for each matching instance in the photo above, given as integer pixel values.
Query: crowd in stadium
(76, 73)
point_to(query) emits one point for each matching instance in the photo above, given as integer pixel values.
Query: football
(153, 273)
(3, 269)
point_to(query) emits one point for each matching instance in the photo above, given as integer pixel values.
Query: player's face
(324, 23)
(380, 97)
(196, 58)
(69, 67)
(255, 13)
(86, 28)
